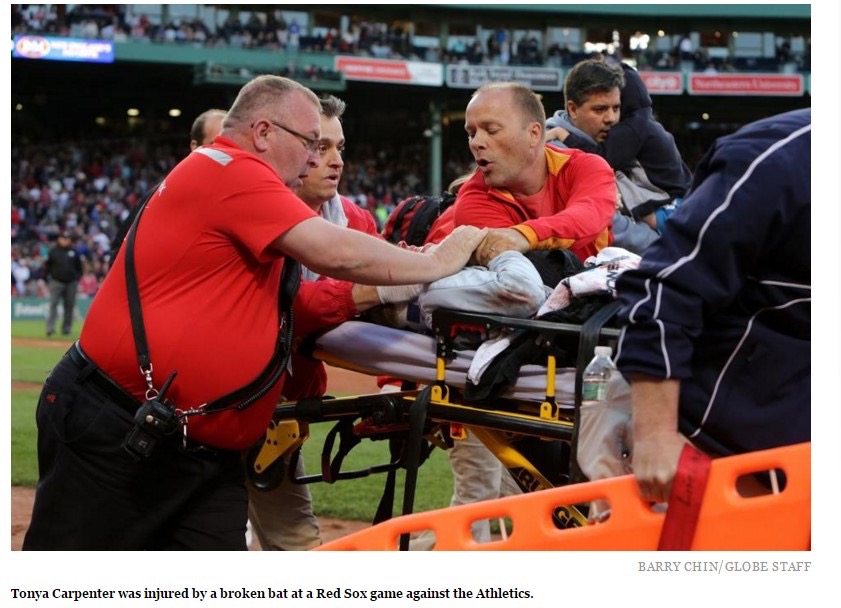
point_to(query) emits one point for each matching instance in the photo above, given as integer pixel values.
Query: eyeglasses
(309, 143)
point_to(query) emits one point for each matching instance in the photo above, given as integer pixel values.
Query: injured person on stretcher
(488, 367)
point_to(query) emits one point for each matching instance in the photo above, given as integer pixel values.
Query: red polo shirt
(208, 288)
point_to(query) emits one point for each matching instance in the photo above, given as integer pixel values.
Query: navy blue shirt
(722, 301)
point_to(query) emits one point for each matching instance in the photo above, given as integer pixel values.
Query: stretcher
(530, 425)
(727, 520)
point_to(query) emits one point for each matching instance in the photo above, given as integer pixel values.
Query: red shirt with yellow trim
(208, 288)
(573, 211)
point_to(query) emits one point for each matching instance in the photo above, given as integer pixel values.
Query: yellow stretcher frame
(547, 515)
(439, 408)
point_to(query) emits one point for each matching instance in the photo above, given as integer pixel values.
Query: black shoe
(65, 333)
(50, 333)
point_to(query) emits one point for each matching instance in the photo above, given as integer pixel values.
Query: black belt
(91, 374)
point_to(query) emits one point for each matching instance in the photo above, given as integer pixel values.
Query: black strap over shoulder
(266, 379)
(590, 332)
(243, 397)
(137, 325)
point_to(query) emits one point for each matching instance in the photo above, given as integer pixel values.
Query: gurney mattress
(378, 350)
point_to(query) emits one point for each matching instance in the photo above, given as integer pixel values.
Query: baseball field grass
(33, 356)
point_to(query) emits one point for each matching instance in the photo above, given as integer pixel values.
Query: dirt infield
(63, 344)
(339, 381)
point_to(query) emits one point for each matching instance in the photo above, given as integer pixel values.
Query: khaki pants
(282, 519)
(477, 475)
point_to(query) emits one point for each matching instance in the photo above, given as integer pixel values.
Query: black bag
(413, 217)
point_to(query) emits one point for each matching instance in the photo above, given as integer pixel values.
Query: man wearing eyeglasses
(209, 251)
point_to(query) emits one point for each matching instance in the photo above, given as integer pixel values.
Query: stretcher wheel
(266, 480)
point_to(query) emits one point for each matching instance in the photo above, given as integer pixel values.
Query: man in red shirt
(283, 518)
(322, 301)
(205, 128)
(533, 196)
(210, 247)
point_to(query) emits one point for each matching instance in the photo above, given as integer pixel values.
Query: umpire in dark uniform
(63, 269)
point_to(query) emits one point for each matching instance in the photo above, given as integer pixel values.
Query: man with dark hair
(282, 519)
(140, 448)
(595, 83)
(637, 140)
(608, 112)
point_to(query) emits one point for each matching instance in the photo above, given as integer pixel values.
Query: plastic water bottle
(597, 376)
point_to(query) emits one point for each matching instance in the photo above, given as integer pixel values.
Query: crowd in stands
(89, 189)
(86, 189)
(304, 74)
(269, 30)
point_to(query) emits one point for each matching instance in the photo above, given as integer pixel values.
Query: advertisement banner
(63, 49)
(388, 70)
(778, 85)
(663, 83)
(39, 308)
(474, 76)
